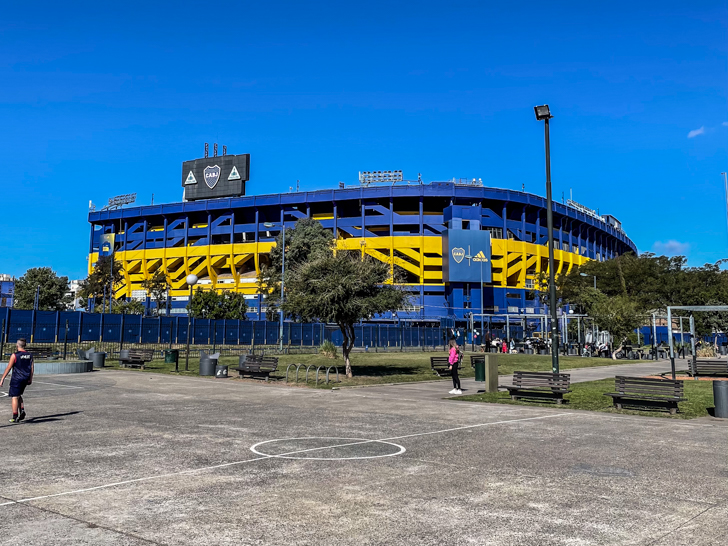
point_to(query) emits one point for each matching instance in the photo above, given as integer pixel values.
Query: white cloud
(670, 248)
(696, 132)
(725, 124)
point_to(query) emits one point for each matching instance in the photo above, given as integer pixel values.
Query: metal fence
(65, 333)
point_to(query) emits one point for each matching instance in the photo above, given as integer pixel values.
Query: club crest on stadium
(212, 175)
(458, 254)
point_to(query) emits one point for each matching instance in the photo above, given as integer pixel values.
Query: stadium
(448, 238)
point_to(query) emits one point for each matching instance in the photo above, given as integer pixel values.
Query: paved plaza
(123, 457)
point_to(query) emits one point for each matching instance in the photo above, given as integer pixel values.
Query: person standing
(454, 361)
(21, 363)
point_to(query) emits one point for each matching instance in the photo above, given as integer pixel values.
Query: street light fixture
(594, 276)
(283, 273)
(544, 114)
(191, 281)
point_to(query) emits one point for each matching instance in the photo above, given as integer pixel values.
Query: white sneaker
(458, 391)
(453, 391)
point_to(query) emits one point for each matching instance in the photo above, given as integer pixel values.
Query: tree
(619, 315)
(306, 241)
(97, 283)
(131, 307)
(53, 290)
(343, 289)
(208, 304)
(157, 286)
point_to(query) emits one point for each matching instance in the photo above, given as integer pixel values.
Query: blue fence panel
(132, 328)
(201, 331)
(182, 327)
(111, 330)
(73, 318)
(271, 333)
(91, 327)
(166, 329)
(259, 330)
(232, 330)
(245, 332)
(316, 334)
(150, 330)
(46, 323)
(20, 325)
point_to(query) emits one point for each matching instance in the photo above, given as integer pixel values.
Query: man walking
(21, 362)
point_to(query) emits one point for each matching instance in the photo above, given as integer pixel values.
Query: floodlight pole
(692, 346)
(552, 281)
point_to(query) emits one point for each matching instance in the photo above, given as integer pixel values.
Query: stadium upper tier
(225, 241)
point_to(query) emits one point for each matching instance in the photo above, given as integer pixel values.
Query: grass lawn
(393, 367)
(590, 396)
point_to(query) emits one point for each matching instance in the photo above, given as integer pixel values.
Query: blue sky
(98, 100)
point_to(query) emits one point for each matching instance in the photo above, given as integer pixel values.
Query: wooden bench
(43, 353)
(135, 358)
(709, 367)
(644, 392)
(540, 385)
(257, 366)
(440, 365)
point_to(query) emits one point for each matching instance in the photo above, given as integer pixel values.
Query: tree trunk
(348, 332)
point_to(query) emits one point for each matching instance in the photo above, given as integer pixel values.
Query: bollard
(720, 399)
(491, 373)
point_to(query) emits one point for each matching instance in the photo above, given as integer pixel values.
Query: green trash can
(171, 356)
(480, 369)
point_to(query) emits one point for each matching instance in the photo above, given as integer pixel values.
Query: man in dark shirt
(21, 362)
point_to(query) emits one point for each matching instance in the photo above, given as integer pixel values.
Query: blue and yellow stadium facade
(225, 241)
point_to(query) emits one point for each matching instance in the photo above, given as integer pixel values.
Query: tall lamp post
(191, 281)
(283, 274)
(544, 114)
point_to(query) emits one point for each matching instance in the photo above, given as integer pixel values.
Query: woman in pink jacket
(454, 361)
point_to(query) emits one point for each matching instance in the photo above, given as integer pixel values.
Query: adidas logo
(480, 257)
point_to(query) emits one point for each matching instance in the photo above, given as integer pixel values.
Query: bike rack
(298, 367)
(308, 368)
(328, 369)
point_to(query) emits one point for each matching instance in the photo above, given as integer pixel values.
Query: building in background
(7, 290)
(74, 293)
(445, 238)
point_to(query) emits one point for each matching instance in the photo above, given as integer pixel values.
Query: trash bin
(207, 365)
(720, 398)
(98, 359)
(171, 356)
(221, 371)
(480, 369)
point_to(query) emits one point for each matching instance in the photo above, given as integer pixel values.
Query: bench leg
(673, 411)
(514, 397)
(559, 401)
(618, 405)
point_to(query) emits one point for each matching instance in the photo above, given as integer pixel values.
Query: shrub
(706, 351)
(328, 349)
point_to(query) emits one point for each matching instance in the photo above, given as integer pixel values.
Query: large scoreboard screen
(215, 177)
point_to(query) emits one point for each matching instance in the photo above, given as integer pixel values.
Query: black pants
(455, 377)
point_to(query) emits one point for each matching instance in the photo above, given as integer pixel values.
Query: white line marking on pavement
(359, 441)
(236, 463)
(58, 384)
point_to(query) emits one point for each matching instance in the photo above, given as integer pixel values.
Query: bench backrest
(439, 361)
(542, 379)
(141, 353)
(40, 351)
(648, 387)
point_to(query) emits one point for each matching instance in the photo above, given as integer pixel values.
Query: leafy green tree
(157, 286)
(131, 307)
(208, 304)
(342, 289)
(53, 290)
(619, 315)
(97, 283)
(306, 241)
